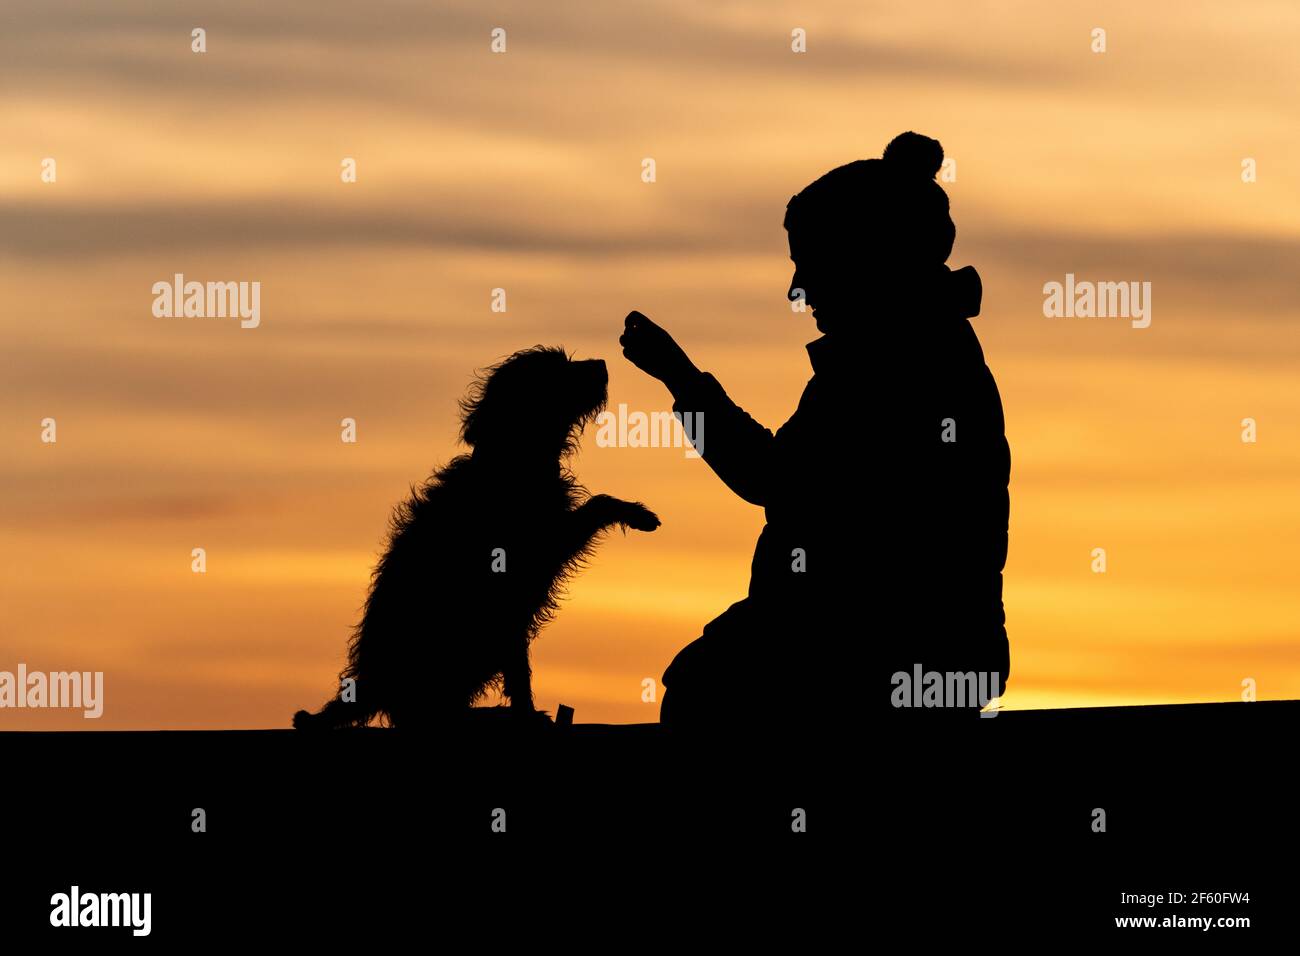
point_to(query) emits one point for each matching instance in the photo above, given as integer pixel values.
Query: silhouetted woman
(886, 491)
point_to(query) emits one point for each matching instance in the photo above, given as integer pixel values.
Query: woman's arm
(737, 448)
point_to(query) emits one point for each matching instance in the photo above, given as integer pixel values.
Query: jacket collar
(956, 296)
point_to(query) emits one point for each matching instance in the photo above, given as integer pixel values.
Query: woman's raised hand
(653, 351)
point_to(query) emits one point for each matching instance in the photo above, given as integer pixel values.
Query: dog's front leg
(603, 511)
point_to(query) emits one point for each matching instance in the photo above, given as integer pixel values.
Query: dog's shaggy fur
(477, 556)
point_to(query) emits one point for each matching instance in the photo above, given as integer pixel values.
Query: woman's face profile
(820, 278)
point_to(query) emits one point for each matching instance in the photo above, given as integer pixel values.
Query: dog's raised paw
(641, 518)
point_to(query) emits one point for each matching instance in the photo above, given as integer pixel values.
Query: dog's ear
(469, 414)
(472, 406)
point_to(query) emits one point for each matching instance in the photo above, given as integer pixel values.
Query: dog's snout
(598, 369)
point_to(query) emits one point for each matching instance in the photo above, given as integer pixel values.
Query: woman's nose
(797, 290)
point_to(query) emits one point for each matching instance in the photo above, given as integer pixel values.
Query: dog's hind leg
(518, 675)
(336, 713)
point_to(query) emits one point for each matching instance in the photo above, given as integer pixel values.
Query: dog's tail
(337, 713)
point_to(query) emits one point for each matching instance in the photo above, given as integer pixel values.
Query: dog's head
(536, 402)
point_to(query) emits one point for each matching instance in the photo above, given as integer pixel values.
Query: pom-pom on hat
(889, 209)
(915, 154)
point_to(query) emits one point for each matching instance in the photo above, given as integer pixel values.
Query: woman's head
(864, 228)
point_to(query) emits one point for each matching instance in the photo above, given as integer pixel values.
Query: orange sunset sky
(522, 171)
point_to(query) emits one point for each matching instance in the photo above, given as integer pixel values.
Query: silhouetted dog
(477, 556)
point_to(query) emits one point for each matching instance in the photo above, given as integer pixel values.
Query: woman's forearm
(735, 446)
(682, 382)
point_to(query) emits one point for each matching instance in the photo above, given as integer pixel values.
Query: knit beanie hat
(890, 209)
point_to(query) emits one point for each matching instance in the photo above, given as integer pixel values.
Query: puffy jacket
(886, 497)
